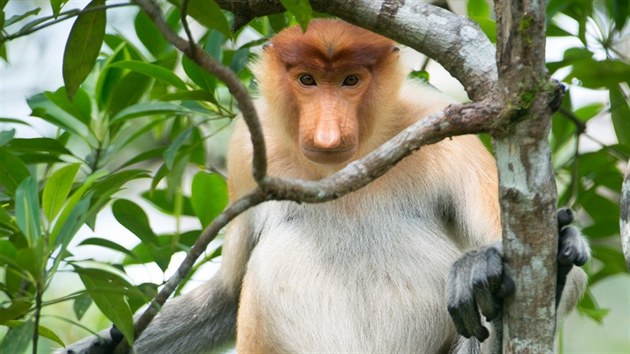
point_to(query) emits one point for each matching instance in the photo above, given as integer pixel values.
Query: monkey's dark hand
(104, 343)
(477, 283)
(573, 249)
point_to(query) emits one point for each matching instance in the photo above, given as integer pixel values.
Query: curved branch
(454, 41)
(223, 73)
(456, 119)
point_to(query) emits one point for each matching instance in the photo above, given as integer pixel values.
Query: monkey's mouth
(329, 156)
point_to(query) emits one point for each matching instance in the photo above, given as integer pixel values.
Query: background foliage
(140, 130)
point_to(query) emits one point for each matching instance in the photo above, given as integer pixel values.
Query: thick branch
(526, 183)
(454, 41)
(625, 216)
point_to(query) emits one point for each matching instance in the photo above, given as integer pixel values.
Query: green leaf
(278, 22)
(17, 309)
(134, 219)
(18, 338)
(6, 136)
(620, 113)
(48, 333)
(172, 151)
(56, 6)
(71, 223)
(613, 262)
(108, 290)
(41, 330)
(46, 145)
(214, 44)
(152, 70)
(101, 242)
(589, 111)
(164, 201)
(301, 9)
(239, 60)
(478, 8)
(590, 308)
(620, 11)
(44, 108)
(207, 13)
(12, 171)
(57, 189)
(198, 75)
(70, 209)
(80, 107)
(147, 155)
(128, 92)
(149, 35)
(104, 188)
(604, 73)
(195, 95)
(145, 109)
(27, 209)
(83, 46)
(8, 252)
(81, 305)
(209, 196)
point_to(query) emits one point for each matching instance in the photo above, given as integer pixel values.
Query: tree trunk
(526, 184)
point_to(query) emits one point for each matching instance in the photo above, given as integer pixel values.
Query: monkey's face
(328, 105)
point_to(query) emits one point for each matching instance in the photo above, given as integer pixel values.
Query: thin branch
(456, 119)
(223, 73)
(184, 20)
(66, 15)
(456, 42)
(579, 125)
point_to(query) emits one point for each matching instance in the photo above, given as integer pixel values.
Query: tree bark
(526, 184)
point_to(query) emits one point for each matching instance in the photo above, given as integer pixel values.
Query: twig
(237, 89)
(66, 15)
(579, 125)
(184, 20)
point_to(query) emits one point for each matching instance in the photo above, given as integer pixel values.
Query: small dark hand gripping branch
(439, 249)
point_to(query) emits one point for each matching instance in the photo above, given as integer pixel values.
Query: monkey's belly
(381, 289)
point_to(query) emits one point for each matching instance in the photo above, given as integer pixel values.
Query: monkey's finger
(572, 247)
(487, 278)
(461, 301)
(565, 217)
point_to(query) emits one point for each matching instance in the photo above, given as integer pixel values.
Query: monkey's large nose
(327, 135)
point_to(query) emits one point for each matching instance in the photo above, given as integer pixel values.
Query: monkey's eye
(307, 80)
(351, 80)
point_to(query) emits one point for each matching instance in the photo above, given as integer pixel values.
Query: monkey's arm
(478, 285)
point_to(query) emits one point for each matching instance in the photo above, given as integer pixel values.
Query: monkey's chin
(329, 157)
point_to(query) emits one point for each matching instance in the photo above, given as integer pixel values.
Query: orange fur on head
(321, 87)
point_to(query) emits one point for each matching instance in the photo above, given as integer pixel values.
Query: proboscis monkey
(379, 270)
